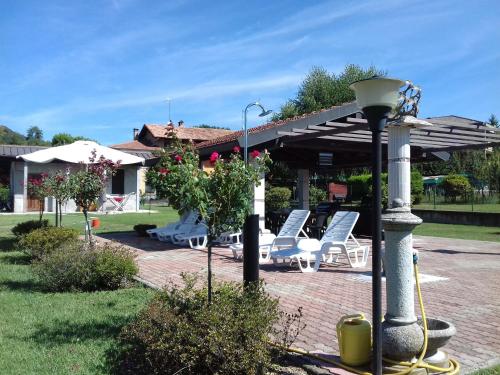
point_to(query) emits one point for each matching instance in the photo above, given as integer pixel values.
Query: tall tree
(60, 139)
(493, 121)
(34, 136)
(320, 90)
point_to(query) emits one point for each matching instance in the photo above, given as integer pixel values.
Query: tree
(39, 188)
(60, 139)
(205, 126)
(493, 121)
(455, 185)
(321, 90)
(34, 136)
(60, 189)
(221, 197)
(87, 184)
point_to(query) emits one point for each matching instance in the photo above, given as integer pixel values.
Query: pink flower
(214, 157)
(164, 171)
(178, 158)
(255, 154)
(236, 149)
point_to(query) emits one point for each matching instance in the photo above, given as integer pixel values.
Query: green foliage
(179, 333)
(222, 197)
(317, 195)
(455, 186)
(142, 228)
(10, 137)
(277, 198)
(79, 267)
(205, 126)
(417, 187)
(26, 227)
(359, 186)
(4, 194)
(321, 89)
(43, 241)
(60, 139)
(493, 121)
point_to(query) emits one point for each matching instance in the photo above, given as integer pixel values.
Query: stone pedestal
(402, 337)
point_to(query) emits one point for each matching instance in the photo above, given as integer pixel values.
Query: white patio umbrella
(80, 152)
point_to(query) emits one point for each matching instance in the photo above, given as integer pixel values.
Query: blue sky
(101, 68)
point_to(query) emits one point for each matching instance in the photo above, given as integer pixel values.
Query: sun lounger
(336, 242)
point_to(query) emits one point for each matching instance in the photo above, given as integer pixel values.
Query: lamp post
(251, 227)
(376, 97)
(262, 114)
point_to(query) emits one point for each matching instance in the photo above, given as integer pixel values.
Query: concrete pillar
(399, 175)
(402, 337)
(138, 178)
(259, 205)
(303, 188)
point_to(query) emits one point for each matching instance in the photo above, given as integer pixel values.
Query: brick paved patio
(461, 284)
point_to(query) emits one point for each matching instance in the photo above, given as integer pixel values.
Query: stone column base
(401, 342)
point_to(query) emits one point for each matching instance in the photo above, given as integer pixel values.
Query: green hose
(453, 369)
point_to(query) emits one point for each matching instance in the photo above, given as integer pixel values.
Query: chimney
(181, 124)
(136, 134)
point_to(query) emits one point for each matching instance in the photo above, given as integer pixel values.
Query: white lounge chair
(187, 226)
(287, 237)
(188, 217)
(333, 244)
(198, 238)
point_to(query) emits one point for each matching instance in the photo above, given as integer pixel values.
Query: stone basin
(439, 332)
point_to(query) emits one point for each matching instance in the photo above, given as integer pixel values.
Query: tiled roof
(14, 150)
(451, 119)
(134, 145)
(199, 134)
(273, 124)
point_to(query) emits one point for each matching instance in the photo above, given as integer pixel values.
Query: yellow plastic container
(354, 334)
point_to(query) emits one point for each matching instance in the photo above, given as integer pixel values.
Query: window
(118, 182)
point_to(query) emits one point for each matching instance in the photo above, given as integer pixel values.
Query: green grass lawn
(495, 370)
(160, 215)
(466, 232)
(58, 333)
(487, 207)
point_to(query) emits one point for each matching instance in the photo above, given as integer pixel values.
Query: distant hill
(10, 137)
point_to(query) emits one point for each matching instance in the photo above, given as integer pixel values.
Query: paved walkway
(461, 283)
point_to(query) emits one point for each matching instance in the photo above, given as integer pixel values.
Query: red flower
(178, 158)
(236, 149)
(254, 154)
(164, 171)
(214, 157)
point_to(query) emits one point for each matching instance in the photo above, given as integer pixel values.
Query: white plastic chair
(333, 244)
(198, 239)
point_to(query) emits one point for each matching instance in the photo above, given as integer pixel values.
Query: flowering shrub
(87, 185)
(60, 189)
(222, 197)
(39, 188)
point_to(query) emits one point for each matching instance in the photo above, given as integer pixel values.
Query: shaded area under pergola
(341, 135)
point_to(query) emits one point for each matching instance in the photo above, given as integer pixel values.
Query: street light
(262, 114)
(376, 97)
(251, 227)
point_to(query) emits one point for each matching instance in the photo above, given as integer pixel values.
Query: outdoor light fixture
(376, 97)
(261, 114)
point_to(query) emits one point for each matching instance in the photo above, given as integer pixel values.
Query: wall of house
(19, 174)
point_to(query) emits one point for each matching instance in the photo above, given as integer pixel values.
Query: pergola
(339, 138)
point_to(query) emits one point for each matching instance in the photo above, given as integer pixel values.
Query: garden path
(461, 283)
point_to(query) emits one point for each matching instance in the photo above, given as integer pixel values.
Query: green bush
(417, 187)
(4, 194)
(142, 228)
(359, 186)
(25, 227)
(278, 198)
(42, 241)
(316, 195)
(454, 186)
(179, 333)
(77, 267)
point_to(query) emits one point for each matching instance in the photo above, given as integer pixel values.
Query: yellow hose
(453, 369)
